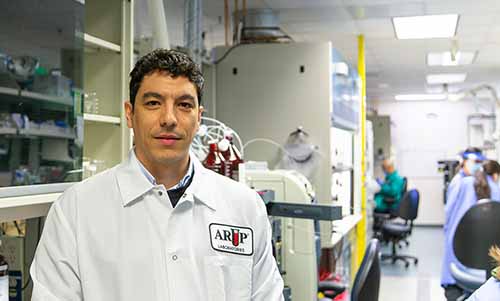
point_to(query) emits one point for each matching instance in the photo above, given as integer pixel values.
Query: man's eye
(151, 103)
(186, 105)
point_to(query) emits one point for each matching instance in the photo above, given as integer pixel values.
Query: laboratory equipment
(257, 84)
(346, 94)
(309, 211)
(214, 146)
(23, 68)
(449, 168)
(299, 240)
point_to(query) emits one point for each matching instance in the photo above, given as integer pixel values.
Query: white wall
(423, 133)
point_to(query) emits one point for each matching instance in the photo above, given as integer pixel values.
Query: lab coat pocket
(238, 277)
(228, 278)
(214, 278)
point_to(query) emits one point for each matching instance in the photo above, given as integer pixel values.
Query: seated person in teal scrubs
(391, 188)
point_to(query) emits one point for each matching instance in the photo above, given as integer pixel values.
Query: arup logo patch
(231, 239)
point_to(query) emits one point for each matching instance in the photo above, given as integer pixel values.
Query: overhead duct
(260, 25)
(160, 32)
(193, 28)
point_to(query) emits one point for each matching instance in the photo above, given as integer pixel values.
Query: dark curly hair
(173, 62)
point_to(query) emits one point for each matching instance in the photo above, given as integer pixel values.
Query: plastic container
(232, 157)
(91, 103)
(227, 155)
(214, 160)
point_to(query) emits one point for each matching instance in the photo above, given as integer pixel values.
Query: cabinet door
(41, 126)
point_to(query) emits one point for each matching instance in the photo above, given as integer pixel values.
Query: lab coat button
(174, 257)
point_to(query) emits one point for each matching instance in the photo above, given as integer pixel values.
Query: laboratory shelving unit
(107, 41)
(108, 59)
(107, 62)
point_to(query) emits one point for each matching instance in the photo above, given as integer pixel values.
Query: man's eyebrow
(152, 95)
(185, 97)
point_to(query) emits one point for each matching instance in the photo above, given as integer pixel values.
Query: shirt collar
(391, 175)
(152, 180)
(133, 183)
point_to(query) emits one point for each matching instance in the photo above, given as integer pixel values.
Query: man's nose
(168, 117)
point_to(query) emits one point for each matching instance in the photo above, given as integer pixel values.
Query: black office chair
(367, 282)
(396, 232)
(380, 218)
(476, 232)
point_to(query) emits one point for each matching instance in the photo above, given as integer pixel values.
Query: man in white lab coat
(159, 226)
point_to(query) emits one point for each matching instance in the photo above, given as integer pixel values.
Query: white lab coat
(490, 291)
(115, 236)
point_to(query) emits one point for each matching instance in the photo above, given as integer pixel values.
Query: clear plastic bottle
(227, 156)
(231, 155)
(235, 163)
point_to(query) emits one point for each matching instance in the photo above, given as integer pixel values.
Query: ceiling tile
(373, 11)
(330, 14)
(488, 56)
(462, 7)
(376, 28)
(281, 4)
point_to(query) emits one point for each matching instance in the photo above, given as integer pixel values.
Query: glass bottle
(213, 160)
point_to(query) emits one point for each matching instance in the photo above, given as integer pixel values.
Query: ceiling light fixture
(425, 27)
(446, 59)
(447, 78)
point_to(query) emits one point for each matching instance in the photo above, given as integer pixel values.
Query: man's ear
(200, 112)
(129, 113)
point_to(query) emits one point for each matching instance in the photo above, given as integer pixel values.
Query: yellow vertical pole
(361, 227)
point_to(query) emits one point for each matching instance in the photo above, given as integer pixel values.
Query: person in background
(472, 158)
(391, 187)
(483, 185)
(490, 291)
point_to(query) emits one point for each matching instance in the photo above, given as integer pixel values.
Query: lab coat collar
(203, 185)
(133, 183)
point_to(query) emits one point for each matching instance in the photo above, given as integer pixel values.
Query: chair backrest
(367, 282)
(476, 232)
(405, 185)
(408, 206)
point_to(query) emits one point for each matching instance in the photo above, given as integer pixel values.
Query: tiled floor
(417, 283)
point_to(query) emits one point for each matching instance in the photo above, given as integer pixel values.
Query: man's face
(386, 167)
(165, 119)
